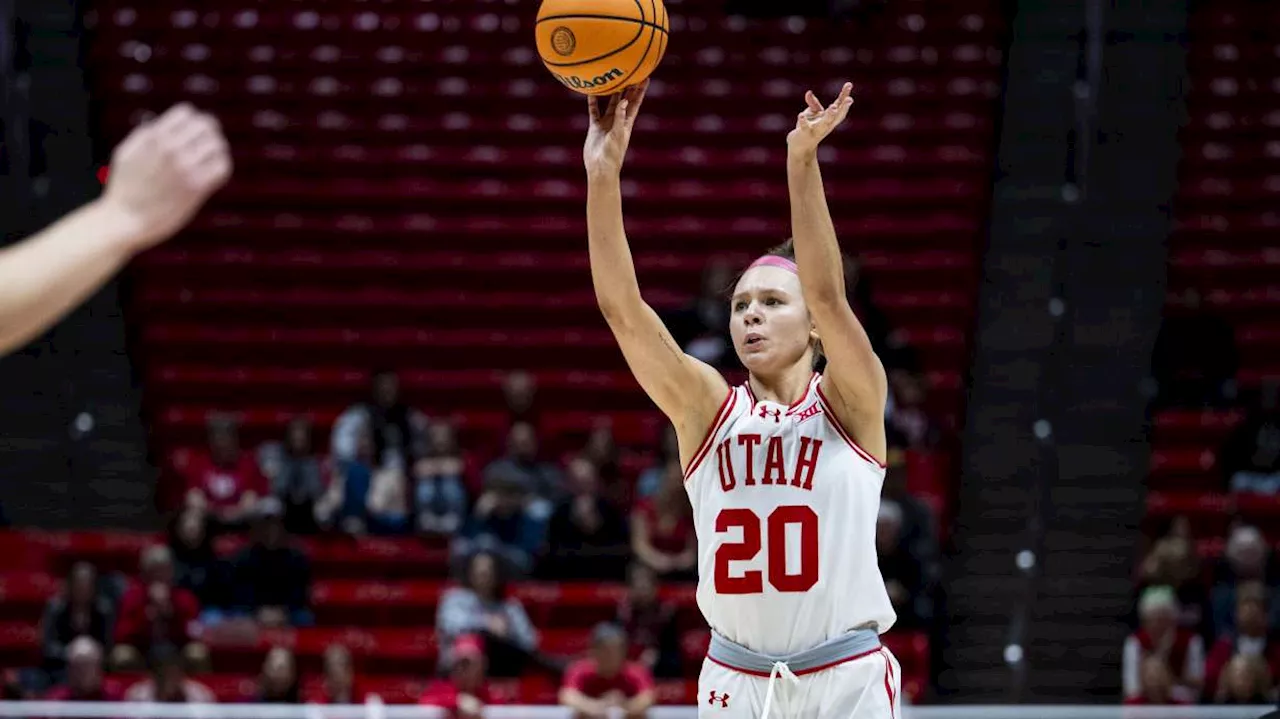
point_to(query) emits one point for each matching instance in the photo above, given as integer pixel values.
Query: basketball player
(160, 175)
(783, 472)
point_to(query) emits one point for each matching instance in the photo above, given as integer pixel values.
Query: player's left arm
(854, 381)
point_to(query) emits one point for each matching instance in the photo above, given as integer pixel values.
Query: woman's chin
(761, 364)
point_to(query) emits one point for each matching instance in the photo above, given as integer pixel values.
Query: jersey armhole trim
(725, 408)
(840, 430)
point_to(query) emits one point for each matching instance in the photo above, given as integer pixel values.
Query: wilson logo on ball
(579, 83)
(563, 41)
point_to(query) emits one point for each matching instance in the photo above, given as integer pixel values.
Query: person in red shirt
(224, 480)
(85, 682)
(465, 692)
(662, 535)
(154, 612)
(606, 680)
(1156, 684)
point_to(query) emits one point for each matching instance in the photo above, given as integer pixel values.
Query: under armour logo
(722, 698)
(765, 413)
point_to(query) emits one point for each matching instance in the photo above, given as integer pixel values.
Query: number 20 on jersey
(770, 535)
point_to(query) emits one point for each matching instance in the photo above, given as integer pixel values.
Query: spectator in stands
(907, 422)
(396, 428)
(1252, 637)
(587, 538)
(296, 475)
(1250, 457)
(1173, 562)
(85, 682)
(892, 350)
(224, 480)
(1160, 636)
(650, 622)
(365, 496)
(1195, 358)
(1156, 684)
(465, 692)
(271, 579)
(651, 478)
(701, 327)
(388, 503)
(918, 531)
(78, 611)
(601, 450)
(662, 535)
(339, 684)
(902, 572)
(1247, 559)
(606, 681)
(440, 494)
(504, 522)
(278, 683)
(168, 682)
(155, 614)
(519, 392)
(521, 462)
(481, 605)
(197, 566)
(1246, 680)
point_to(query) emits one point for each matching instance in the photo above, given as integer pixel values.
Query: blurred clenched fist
(165, 170)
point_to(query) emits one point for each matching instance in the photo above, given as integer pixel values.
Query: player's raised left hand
(816, 122)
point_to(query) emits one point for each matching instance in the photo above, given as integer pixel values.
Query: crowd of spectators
(389, 468)
(1209, 632)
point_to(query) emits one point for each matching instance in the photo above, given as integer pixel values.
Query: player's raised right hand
(610, 132)
(165, 170)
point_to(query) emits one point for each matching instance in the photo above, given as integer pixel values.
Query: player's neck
(784, 388)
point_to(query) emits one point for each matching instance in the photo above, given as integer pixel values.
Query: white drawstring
(779, 668)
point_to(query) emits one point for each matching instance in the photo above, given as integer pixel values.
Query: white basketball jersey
(785, 506)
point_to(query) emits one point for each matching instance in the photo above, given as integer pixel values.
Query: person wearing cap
(465, 691)
(505, 522)
(1159, 635)
(605, 681)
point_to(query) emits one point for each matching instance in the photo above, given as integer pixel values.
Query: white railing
(375, 710)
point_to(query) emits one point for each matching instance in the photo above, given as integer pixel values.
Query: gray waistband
(832, 651)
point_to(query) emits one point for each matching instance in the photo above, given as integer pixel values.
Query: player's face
(769, 321)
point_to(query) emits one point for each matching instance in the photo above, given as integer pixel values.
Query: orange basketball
(597, 47)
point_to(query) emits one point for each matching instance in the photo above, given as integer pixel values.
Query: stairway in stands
(409, 194)
(1228, 248)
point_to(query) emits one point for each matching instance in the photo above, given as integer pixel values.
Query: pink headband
(775, 261)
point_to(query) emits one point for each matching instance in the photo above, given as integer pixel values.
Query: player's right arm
(688, 391)
(160, 175)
